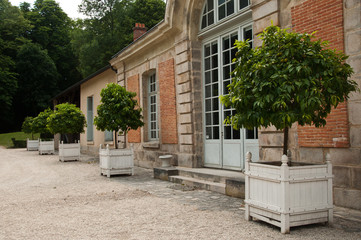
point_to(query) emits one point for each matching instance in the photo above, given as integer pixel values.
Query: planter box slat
(116, 161)
(32, 145)
(69, 151)
(46, 147)
(289, 196)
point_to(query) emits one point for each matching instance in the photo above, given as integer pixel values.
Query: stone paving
(347, 219)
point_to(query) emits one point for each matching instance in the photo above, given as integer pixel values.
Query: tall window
(89, 129)
(153, 108)
(217, 10)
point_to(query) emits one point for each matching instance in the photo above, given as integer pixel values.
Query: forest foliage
(43, 51)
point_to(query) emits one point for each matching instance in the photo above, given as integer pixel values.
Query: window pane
(207, 63)
(208, 91)
(248, 33)
(210, 5)
(243, 4)
(225, 86)
(226, 57)
(204, 22)
(207, 50)
(233, 39)
(250, 134)
(215, 132)
(215, 75)
(226, 72)
(209, 133)
(208, 105)
(226, 43)
(230, 7)
(236, 134)
(214, 48)
(210, 18)
(214, 61)
(208, 119)
(215, 104)
(221, 12)
(227, 132)
(207, 77)
(215, 90)
(215, 118)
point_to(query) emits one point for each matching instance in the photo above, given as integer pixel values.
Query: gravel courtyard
(42, 198)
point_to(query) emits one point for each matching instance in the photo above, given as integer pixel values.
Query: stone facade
(173, 52)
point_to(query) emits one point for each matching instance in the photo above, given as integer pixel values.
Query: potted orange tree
(292, 78)
(27, 127)
(46, 142)
(67, 119)
(118, 112)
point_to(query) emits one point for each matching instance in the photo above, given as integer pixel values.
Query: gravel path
(42, 198)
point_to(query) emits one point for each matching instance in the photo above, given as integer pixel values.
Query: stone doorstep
(226, 182)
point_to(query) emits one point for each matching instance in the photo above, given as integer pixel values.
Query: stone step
(199, 183)
(211, 175)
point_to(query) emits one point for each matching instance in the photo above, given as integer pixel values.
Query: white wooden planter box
(32, 145)
(116, 161)
(289, 196)
(69, 151)
(46, 147)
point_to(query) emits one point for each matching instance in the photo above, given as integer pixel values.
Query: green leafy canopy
(40, 122)
(66, 119)
(118, 111)
(291, 78)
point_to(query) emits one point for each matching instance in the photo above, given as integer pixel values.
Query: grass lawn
(5, 138)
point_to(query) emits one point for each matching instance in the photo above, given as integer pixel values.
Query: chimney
(138, 30)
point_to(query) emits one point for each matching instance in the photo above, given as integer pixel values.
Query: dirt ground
(42, 198)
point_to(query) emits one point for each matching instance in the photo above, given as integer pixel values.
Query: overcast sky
(70, 7)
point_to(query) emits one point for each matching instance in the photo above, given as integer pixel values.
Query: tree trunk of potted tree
(291, 78)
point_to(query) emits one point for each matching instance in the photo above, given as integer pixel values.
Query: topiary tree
(292, 78)
(27, 126)
(40, 122)
(66, 119)
(118, 111)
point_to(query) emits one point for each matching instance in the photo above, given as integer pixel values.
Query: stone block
(354, 112)
(260, 11)
(261, 24)
(197, 54)
(185, 129)
(185, 108)
(342, 176)
(270, 154)
(196, 66)
(183, 77)
(235, 188)
(355, 136)
(311, 155)
(345, 156)
(186, 139)
(352, 19)
(348, 198)
(271, 139)
(181, 47)
(355, 63)
(351, 3)
(356, 177)
(182, 68)
(184, 88)
(185, 160)
(186, 148)
(164, 173)
(181, 58)
(185, 118)
(353, 43)
(184, 98)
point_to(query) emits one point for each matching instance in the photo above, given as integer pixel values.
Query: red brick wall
(133, 86)
(325, 17)
(168, 111)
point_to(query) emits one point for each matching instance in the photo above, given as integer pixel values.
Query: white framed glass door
(224, 146)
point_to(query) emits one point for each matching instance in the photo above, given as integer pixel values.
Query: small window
(225, 8)
(89, 129)
(108, 136)
(208, 14)
(152, 108)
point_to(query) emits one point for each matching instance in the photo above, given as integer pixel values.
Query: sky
(70, 7)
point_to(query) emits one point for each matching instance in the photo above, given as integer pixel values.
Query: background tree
(67, 119)
(118, 111)
(40, 123)
(291, 78)
(109, 29)
(37, 78)
(27, 126)
(12, 29)
(52, 28)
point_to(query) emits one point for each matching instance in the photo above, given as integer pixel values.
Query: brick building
(180, 67)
